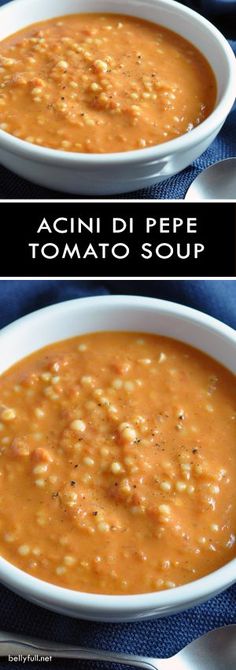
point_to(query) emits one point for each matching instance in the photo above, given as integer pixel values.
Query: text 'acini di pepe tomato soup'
(118, 464)
(102, 83)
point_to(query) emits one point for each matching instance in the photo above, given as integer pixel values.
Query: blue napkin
(224, 146)
(162, 637)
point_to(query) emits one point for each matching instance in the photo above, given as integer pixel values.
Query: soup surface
(102, 83)
(118, 463)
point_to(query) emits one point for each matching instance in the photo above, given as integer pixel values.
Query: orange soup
(102, 83)
(118, 464)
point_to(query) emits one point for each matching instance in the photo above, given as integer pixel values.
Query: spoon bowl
(214, 651)
(217, 182)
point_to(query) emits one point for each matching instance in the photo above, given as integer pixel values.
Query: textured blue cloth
(224, 146)
(162, 637)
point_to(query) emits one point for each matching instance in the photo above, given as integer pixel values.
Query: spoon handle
(15, 645)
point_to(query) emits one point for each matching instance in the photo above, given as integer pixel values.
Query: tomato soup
(102, 83)
(118, 463)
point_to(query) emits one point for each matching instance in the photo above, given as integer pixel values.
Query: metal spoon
(214, 651)
(217, 182)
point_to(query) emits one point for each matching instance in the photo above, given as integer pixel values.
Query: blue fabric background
(224, 146)
(162, 637)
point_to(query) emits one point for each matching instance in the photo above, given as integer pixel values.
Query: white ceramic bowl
(86, 315)
(106, 174)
